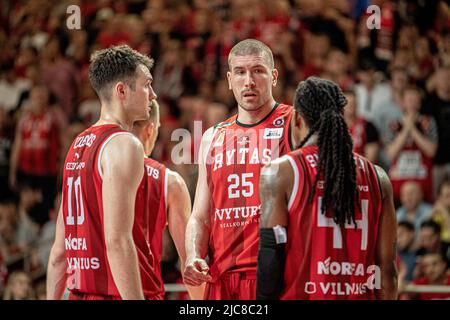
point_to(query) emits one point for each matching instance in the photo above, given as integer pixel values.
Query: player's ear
(229, 80)
(120, 90)
(150, 129)
(274, 77)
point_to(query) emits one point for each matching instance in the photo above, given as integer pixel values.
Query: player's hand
(196, 272)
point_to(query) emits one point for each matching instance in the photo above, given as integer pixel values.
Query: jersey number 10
(74, 186)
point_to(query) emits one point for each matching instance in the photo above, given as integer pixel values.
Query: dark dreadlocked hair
(321, 102)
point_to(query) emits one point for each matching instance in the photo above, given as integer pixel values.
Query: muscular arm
(386, 249)
(178, 212)
(56, 269)
(123, 167)
(198, 227)
(275, 186)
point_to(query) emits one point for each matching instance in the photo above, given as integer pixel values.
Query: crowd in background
(396, 79)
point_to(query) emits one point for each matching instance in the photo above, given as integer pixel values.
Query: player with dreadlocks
(328, 226)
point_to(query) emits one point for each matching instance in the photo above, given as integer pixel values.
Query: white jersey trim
(99, 167)
(166, 187)
(296, 181)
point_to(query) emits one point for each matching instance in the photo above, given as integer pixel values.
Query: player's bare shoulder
(123, 150)
(385, 183)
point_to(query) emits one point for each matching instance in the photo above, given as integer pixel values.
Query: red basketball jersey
(323, 259)
(156, 176)
(88, 267)
(233, 165)
(412, 164)
(39, 150)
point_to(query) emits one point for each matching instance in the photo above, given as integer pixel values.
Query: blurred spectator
(11, 86)
(35, 151)
(6, 138)
(373, 96)
(33, 75)
(399, 81)
(435, 273)
(60, 76)
(41, 290)
(89, 108)
(44, 242)
(441, 209)
(337, 68)
(430, 240)
(406, 248)
(3, 273)
(438, 105)
(364, 134)
(411, 144)
(19, 287)
(26, 57)
(6, 231)
(27, 229)
(413, 209)
(169, 71)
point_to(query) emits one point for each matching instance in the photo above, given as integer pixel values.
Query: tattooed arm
(275, 185)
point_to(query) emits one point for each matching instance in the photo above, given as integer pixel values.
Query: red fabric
(234, 186)
(232, 286)
(39, 150)
(155, 174)
(82, 189)
(323, 260)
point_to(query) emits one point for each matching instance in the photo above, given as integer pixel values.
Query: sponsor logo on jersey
(83, 141)
(273, 133)
(278, 122)
(244, 141)
(371, 278)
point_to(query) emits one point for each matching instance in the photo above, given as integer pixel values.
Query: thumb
(202, 265)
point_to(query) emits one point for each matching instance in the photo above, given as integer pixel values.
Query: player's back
(325, 260)
(156, 177)
(88, 267)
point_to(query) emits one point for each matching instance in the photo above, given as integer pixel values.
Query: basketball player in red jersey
(100, 246)
(225, 218)
(328, 226)
(167, 199)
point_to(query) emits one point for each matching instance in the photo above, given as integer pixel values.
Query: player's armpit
(123, 167)
(387, 241)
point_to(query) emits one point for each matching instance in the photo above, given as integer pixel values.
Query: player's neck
(312, 141)
(109, 115)
(255, 116)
